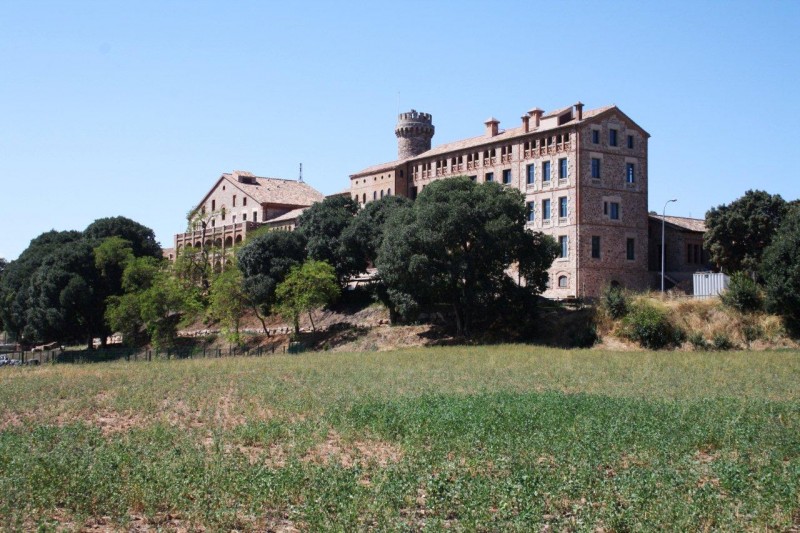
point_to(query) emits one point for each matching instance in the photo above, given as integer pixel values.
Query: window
(630, 141)
(631, 249)
(507, 176)
(530, 172)
(531, 214)
(595, 246)
(595, 136)
(234, 219)
(474, 178)
(244, 201)
(244, 216)
(234, 200)
(612, 137)
(389, 191)
(563, 282)
(614, 211)
(546, 171)
(545, 209)
(413, 193)
(255, 216)
(374, 195)
(562, 207)
(381, 193)
(490, 176)
(213, 223)
(364, 198)
(595, 168)
(563, 243)
(562, 169)
(213, 205)
(630, 172)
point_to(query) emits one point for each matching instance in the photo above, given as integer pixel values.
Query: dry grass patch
(357, 452)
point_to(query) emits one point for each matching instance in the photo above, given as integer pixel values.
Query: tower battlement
(414, 132)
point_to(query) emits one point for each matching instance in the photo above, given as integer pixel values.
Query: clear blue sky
(135, 108)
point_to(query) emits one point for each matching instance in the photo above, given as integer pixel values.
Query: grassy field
(467, 438)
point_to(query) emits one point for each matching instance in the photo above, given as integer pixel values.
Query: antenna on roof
(300, 179)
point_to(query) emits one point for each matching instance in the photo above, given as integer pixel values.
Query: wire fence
(117, 353)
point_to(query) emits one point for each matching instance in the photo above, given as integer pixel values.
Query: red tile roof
(481, 140)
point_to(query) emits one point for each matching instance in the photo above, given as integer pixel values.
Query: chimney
(536, 113)
(526, 123)
(579, 111)
(492, 126)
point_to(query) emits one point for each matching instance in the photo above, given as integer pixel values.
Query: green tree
(264, 261)
(305, 289)
(364, 235)
(141, 238)
(228, 302)
(153, 305)
(780, 270)
(455, 245)
(323, 225)
(737, 233)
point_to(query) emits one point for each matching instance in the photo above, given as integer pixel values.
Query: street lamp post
(663, 218)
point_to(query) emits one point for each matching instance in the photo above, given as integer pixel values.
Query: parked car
(7, 361)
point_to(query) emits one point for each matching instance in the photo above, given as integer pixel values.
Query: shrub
(722, 342)
(614, 302)
(698, 341)
(650, 327)
(743, 294)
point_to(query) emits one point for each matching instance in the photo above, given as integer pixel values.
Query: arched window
(364, 198)
(374, 195)
(563, 282)
(381, 193)
(389, 191)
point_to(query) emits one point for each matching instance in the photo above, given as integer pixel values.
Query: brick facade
(564, 140)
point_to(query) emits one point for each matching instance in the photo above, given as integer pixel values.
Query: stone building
(683, 250)
(241, 202)
(583, 174)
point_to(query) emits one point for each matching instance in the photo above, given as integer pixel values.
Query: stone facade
(589, 167)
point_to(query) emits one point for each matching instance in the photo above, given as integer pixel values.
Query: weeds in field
(507, 437)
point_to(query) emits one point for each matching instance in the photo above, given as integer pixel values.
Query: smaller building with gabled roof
(241, 202)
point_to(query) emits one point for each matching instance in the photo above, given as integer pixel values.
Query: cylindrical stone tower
(414, 132)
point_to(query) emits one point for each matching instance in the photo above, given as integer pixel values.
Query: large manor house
(583, 174)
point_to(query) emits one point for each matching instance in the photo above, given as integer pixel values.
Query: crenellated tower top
(414, 132)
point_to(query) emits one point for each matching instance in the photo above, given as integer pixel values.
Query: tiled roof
(556, 112)
(291, 215)
(689, 224)
(472, 142)
(383, 167)
(276, 190)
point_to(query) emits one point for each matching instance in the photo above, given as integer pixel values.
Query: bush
(722, 342)
(743, 294)
(614, 302)
(650, 327)
(698, 341)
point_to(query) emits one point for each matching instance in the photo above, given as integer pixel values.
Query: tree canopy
(738, 233)
(455, 245)
(780, 270)
(57, 288)
(141, 238)
(323, 225)
(364, 235)
(264, 262)
(305, 289)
